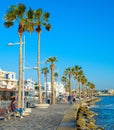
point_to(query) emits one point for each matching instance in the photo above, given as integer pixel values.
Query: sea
(105, 110)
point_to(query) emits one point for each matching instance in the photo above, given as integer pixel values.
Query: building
(8, 84)
(29, 87)
(58, 87)
(7, 79)
(111, 92)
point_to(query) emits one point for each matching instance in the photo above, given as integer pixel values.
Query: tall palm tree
(40, 19)
(92, 87)
(80, 74)
(89, 89)
(76, 70)
(56, 75)
(45, 71)
(52, 60)
(65, 81)
(83, 81)
(69, 71)
(17, 14)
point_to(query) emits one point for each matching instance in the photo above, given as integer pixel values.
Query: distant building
(111, 92)
(29, 87)
(58, 87)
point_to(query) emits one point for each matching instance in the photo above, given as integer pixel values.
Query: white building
(58, 87)
(111, 92)
(7, 79)
(29, 87)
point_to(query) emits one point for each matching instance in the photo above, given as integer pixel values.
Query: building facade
(29, 87)
(7, 79)
(8, 84)
(58, 87)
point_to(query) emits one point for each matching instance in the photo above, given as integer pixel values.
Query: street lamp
(17, 43)
(35, 68)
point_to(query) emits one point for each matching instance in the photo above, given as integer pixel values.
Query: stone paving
(39, 119)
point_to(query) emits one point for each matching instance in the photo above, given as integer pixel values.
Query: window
(12, 76)
(6, 76)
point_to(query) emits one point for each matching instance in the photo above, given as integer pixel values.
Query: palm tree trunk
(46, 86)
(79, 90)
(83, 90)
(52, 84)
(91, 93)
(76, 88)
(87, 92)
(38, 65)
(20, 73)
(70, 84)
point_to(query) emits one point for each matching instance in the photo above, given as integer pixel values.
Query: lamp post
(17, 43)
(46, 90)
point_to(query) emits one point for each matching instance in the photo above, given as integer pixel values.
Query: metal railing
(27, 103)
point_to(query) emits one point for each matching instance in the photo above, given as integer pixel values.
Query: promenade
(40, 119)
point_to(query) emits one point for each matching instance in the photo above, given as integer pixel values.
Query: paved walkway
(40, 119)
(69, 119)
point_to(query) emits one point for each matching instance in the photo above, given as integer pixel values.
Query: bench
(3, 113)
(10, 112)
(6, 113)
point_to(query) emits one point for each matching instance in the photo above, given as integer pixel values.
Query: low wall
(69, 119)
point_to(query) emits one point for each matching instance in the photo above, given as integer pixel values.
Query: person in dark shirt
(70, 99)
(14, 108)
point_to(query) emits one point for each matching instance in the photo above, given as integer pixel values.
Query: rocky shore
(85, 117)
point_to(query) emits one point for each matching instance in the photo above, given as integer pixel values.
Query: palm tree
(76, 70)
(69, 71)
(89, 89)
(92, 87)
(45, 71)
(65, 80)
(80, 74)
(40, 19)
(83, 81)
(56, 75)
(17, 14)
(52, 66)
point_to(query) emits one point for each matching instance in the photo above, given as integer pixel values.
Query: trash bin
(48, 101)
(28, 104)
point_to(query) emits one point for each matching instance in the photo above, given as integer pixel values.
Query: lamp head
(10, 44)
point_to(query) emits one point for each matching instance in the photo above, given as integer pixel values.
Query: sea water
(105, 110)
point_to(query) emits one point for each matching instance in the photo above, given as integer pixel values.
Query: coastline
(103, 95)
(85, 117)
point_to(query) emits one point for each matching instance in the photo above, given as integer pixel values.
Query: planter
(25, 114)
(41, 105)
(27, 110)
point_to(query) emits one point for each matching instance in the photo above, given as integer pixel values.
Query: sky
(82, 34)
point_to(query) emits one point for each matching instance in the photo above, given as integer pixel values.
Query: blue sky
(82, 34)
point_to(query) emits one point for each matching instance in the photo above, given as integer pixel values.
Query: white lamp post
(17, 43)
(23, 92)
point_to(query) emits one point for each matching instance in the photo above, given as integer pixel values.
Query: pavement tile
(39, 119)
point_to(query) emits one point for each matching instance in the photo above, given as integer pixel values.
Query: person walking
(70, 99)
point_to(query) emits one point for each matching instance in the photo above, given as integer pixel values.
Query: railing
(27, 103)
